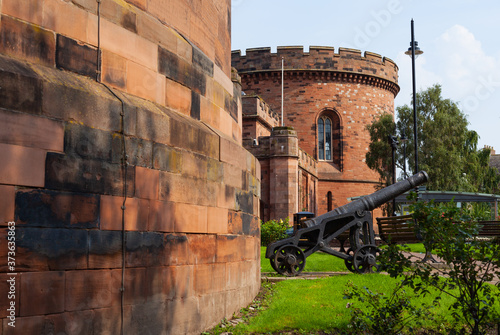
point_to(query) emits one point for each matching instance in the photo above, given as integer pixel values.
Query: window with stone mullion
(324, 139)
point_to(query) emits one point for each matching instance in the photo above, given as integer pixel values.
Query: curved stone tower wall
(351, 88)
(134, 203)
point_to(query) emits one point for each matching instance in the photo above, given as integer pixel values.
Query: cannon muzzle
(374, 200)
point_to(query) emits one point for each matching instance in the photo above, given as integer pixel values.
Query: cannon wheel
(349, 263)
(365, 259)
(289, 260)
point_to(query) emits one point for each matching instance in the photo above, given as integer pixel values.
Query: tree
(447, 149)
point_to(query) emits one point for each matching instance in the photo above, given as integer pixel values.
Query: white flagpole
(282, 72)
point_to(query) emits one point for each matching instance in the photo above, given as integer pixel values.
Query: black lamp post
(414, 51)
(403, 140)
(393, 141)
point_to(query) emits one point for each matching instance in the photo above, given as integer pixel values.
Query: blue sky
(460, 40)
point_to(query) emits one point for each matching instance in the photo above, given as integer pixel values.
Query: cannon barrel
(374, 200)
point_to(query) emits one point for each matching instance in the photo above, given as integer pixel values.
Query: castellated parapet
(348, 65)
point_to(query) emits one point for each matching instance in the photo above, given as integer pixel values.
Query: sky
(460, 40)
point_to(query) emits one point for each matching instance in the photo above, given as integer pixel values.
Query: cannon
(352, 221)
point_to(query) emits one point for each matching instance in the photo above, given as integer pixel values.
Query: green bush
(273, 230)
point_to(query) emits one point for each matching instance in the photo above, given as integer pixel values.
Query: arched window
(329, 201)
(324, 139)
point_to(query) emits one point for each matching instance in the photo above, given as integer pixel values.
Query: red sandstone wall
(358, 88)
(191, 226)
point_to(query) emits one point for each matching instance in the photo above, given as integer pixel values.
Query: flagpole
(282, 73)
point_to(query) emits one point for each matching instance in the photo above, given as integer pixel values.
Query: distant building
(317, 161)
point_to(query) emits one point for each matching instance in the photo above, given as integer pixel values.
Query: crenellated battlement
(318, 60)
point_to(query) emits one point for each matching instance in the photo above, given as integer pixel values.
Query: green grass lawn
(318, 306)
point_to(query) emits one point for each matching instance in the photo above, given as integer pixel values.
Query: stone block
(119, 14)
(147, 183)
(21, 87)
(137, 49)
(201, 249)
(135, 215)
(22, 165)
(153, 30)
(136, 286)
(31, 131)
(75, 56)
(235, 223)
(195, 106)
(42, 293)
(183, 277)
(186, 190)
(204, 279)
(29, 11)
(144, 249)
(215, 171)
(153, 126)
(66, 18)
(232, 153)
(190, 136)
(161, 216)
(166, 158)
(217, 220)
(105, 249)
(87, 142)
(190, 218)
(244, 201)
(194, 165)
(114, 69)
(50, 248)
(139, 3)
(139, 152)
(91, 289)
(201, 61)
(145, 83)
(176, 249)
(107, 320)
(45, 208)
(179, 70)
(64, 172)
(160, 283)
(226, 196)
(230, 248)
(7, 204)
(178, 97)
(28, 42)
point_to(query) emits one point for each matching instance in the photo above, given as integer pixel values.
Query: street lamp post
(414, 51)
(393, 141)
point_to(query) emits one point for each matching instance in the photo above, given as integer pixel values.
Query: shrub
(385, 314)
(472, 264)
(273, 230)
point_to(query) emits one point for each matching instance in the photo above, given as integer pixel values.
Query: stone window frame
(335, 137)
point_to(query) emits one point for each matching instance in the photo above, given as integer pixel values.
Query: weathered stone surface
(144, 249)
(91, 289)
(135, 216)
(105, 249)
(244, 201)
(161, 216)
(147, 183)
(188, 134)
(176, 249)
(31, 131)
(139, 152)
(76, 57)
(195, 105)
(201, 249)
(59, 249)
(175, 68)
(87, 142)
(25, 41)
(67, 96)
(21, 87)
(43, 293)
(166, 158)
(44, 208)
(64, 172)
(186, 190)
(23, 166)
(203, 62)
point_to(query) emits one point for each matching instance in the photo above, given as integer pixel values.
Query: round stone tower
(329, 99)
